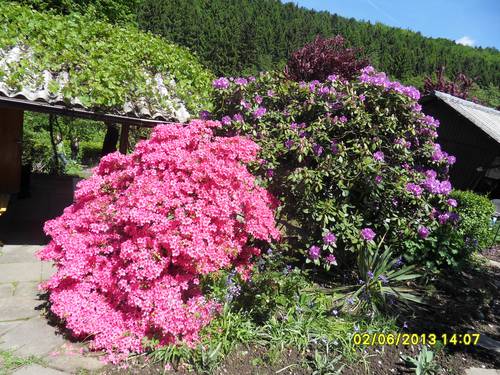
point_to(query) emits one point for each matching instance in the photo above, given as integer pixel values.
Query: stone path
(24, 330)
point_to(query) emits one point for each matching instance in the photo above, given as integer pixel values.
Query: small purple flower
(324, 90)
(303, 134)
(370, 274)
(288, 144)
(241, 81)
(221, 83)
(452, 202)
(399, 262)
(270, 93)
(226, 120)
(334, 147)
(259, 112)
(318, 150)
(258, 99)
(251, 79)
(451, 160)
(383, 278)
(330, 259)
(423, 232)
(238, 117)
(356, 327)
(368, 234)
(294, 126)
(333, 77)
(362, 97)
(378, 179)
(343, 119)
(245, 104)
(329, 238)
(405, 325)
(314, 252)
(378, 156)
(443, 218)
(205, 115)
(350, 301)
(269, 173)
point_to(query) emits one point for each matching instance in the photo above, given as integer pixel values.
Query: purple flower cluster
(220, 83)
(329, 238)
(434, 186)
(367, 234)
(423, 232)
(314, 252)
(259, 112)
(378, 156)
(369, 75)
(318, 150)
(415, 189)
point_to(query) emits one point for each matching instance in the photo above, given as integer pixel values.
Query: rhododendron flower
(423, 232)
(318, 150)
(226, 120)
(415, 189)
(330, 259)
(314, 252)
(145, 227)
(378, 179)
(289, 143)
(378, 156)
(259, 112)
(241, 81)
(367, 234)
(452, 202)
(329, 238)
(221, 83)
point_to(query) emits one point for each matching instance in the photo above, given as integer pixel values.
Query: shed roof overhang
(60, 109)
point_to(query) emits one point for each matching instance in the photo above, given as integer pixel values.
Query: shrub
(322, 57)
(350, 161)
(146, 228)
(90, 152)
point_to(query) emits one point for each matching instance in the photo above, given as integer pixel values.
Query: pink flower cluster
(145, 227)
(370, 75)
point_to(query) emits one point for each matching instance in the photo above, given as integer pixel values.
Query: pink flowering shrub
(146, 227)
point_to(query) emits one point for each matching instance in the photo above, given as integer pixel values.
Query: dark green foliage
(474, 228)
(109, 10)
(244, 36)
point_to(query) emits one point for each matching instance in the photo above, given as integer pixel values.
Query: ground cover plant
(146, 230)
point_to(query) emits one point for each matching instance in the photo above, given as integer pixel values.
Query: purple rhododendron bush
(352, 161)
(146, 228)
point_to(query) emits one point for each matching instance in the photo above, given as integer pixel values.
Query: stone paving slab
(18, 308)
(26, 290)
(73, 363)
(489, 343)
(37, 370)
(6, 290)
(32, 337)
(481, 371)
(20, 272)
(19, 254)
(7, 326)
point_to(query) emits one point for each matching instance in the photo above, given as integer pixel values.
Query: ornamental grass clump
(145, 229)
(350, 161)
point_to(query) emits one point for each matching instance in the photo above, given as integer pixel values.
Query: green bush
(473, 232)
(107, 65)
(90, 152)
(351, 162)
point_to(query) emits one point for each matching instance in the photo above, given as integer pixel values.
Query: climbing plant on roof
(96, 64)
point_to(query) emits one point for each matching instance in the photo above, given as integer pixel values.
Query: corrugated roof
(485, 118)
(36, 89)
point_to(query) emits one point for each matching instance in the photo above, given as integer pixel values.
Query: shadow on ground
(23, 222)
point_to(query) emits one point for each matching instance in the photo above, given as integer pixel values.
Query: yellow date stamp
(406, 339)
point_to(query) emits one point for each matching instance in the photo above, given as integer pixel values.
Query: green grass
(9, 362)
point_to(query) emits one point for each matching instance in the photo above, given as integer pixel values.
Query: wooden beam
(124, 138)
(11, 135)
(110, 139)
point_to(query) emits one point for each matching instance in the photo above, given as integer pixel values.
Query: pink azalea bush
(132, 249)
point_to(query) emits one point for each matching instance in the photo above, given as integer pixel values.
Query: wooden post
(124, 138)
(11, 135)
(110, 139)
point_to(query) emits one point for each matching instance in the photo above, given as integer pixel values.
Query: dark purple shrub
(323, 57)
(460, 87)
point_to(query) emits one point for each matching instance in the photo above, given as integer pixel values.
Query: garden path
(24, 327)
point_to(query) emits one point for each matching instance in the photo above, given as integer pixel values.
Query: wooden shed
(470, 132)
